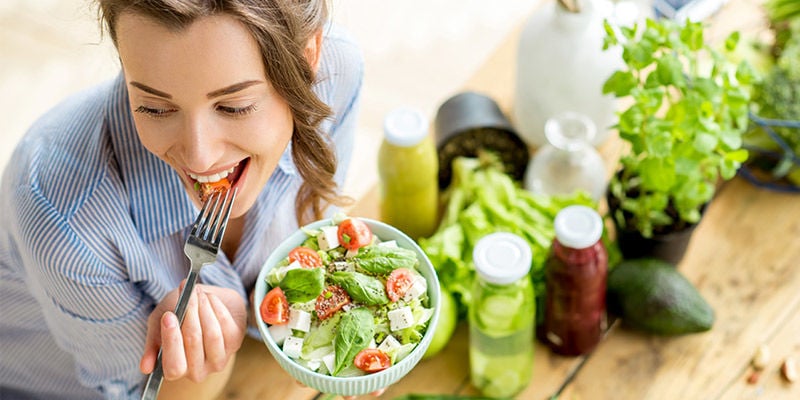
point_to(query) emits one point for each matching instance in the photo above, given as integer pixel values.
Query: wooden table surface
(744, 258)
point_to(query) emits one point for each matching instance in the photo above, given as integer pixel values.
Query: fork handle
(157, 376)
(183, 299)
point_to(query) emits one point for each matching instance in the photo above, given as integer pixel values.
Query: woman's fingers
(227, 323)
(213, 339)
(152, 344)
(376, 393)
(212, 330)
(173, 357)
(193, 339)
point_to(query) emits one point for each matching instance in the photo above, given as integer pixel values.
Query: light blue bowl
(349, 386)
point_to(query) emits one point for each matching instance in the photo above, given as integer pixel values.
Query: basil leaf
(356, 328)
(303, 284)
(381, 260)
(361, 288)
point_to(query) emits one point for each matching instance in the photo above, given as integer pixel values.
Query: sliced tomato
(307, 257)
(275, 308)
(398, 283)
(354, 234)
(372, 360)
(331, 300)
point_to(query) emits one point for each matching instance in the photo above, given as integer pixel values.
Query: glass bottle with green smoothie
(408, 168)
(501, 317)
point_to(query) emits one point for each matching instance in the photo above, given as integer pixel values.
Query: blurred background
(418, 53)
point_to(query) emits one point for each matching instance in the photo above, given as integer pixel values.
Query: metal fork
(201, 248)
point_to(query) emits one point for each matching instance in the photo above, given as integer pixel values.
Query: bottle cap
(502, 258)
(578, 227)
(405, 127)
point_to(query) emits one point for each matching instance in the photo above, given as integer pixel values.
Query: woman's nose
(200, 143)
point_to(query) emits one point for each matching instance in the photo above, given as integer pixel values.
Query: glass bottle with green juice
(501, 317)
(408, 168)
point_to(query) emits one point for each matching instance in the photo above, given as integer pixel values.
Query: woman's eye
(154, 112)
(236, 111)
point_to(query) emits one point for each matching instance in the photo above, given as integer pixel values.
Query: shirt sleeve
(92, 309)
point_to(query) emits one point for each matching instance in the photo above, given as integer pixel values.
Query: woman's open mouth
(205, 185)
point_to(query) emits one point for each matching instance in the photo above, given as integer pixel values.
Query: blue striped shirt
(92, 231)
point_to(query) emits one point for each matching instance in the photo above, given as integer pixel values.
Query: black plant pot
(670, 246)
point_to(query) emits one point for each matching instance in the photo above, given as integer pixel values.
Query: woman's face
(202, 103)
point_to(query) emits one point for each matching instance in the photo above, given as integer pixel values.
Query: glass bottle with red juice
(575, 279)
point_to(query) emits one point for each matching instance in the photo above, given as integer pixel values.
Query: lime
(447, 324)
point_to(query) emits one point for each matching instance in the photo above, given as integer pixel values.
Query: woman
(98, 197)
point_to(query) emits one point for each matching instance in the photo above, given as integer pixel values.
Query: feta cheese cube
(389, 344)
(389, 243)
(418, 287)
(293, 346)
(328, 238)
(329, 361)
(400, 318)
(314, 364)
(279, 333)
(294, 265)
(299, 320)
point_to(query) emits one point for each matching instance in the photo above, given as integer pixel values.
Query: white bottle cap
(578, 227)
(405, 127)
(502, 258)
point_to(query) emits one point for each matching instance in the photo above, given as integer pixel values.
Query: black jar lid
(470, 122)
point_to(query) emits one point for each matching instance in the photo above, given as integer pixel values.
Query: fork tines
(214, 214)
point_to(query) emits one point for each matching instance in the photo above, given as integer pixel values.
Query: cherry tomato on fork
(354, 234)
(274, 308)
(307, 257)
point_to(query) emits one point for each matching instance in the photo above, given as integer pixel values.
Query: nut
(761, 358)
(789, 370)
(752, 379)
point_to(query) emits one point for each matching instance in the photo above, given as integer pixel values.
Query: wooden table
(744, 259)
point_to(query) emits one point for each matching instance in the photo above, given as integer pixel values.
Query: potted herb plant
(687, 108)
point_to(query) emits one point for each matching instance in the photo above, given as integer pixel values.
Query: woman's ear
(314, 49)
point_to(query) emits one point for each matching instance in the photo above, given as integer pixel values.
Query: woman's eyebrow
(232, 88)
(150, 90)
(216, 93)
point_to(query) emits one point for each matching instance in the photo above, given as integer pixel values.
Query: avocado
(652, 296)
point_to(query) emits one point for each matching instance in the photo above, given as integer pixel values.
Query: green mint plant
(688, 108)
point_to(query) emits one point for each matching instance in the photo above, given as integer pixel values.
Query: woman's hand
(376, 393)
(212, 332)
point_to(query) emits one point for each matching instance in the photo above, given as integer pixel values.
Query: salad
(345, 303)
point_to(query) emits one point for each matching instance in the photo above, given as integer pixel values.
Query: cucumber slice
(499, 312)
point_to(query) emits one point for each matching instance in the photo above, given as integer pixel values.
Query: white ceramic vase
(561, 66)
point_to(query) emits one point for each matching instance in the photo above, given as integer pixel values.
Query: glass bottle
(575, 282)
(408, 167)
(568, 162)
(501, 317)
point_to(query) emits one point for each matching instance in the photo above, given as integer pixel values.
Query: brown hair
(281, 28)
